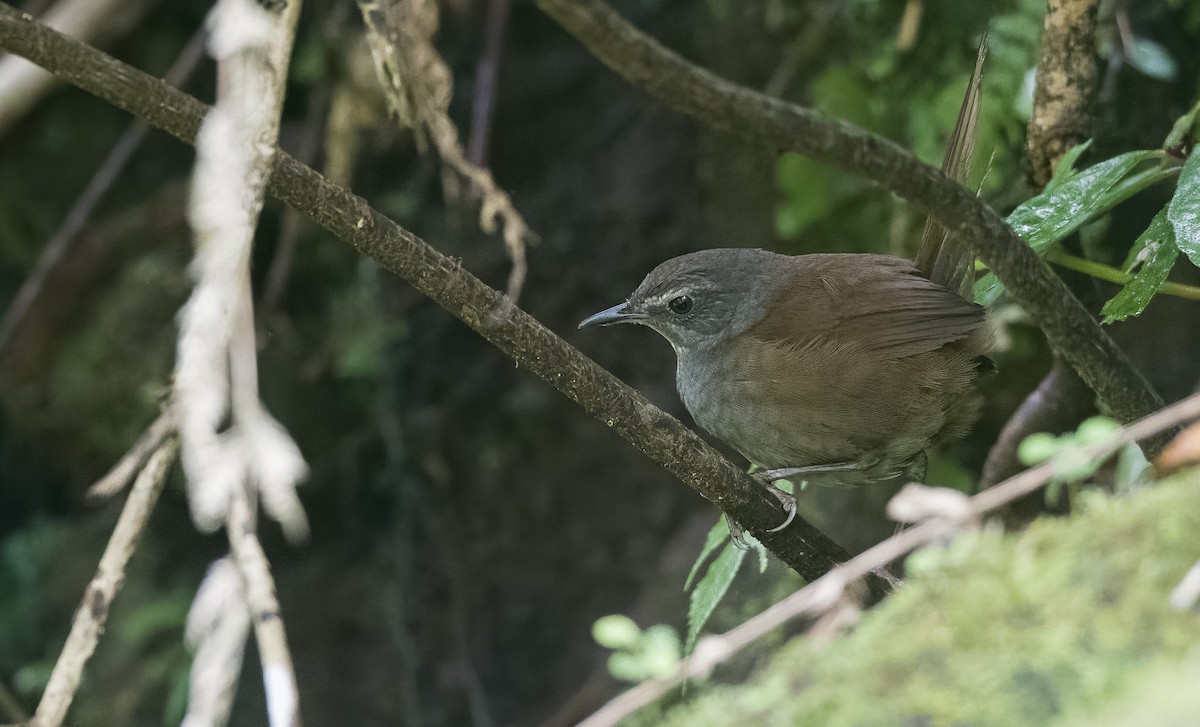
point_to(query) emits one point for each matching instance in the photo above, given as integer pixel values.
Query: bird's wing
(878, 303)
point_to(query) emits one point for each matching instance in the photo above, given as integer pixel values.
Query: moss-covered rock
(1067, 623)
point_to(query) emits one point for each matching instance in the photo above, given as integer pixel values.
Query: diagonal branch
(530, 344)
(688, 88)
(90, 619)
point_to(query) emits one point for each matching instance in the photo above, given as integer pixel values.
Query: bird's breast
(819, 404)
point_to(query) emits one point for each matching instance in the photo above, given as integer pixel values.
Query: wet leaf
(1153, 254)
(1077, 200)
(1184, 209)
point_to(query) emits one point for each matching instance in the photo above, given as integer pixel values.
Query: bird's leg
(768, 477)
(786, 473)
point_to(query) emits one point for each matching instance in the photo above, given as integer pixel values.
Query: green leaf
(1152, 60)
(626, 666)
(1155, 251)
(616, 631)
(710, 590)
(1037, 447)
(717, 535)
(1097, 430)
(1183, 127)
(661, 651)
(1184, 209)
(1065, 169)
(1080, 198)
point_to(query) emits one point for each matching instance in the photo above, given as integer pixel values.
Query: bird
(839, 368)
(834, 368)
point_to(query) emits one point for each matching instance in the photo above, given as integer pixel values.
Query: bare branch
(92, 615)
(123, 471)
(217, 371)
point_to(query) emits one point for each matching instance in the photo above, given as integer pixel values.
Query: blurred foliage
(912, 97)
(111, 377)
(637, 654)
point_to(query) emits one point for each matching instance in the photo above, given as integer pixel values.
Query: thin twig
(89, 620)
(825, 592)
(487, 79)
(129, 464)
(417, 83)
(1101, 271)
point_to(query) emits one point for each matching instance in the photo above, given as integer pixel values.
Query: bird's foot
(786, 499)
(737, 534)
(769, 477)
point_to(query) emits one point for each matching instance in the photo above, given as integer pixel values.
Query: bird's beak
(619, 313)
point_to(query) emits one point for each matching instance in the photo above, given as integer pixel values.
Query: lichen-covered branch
(1066, 83)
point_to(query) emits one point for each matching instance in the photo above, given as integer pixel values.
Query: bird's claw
(791, 514)
(736, 534)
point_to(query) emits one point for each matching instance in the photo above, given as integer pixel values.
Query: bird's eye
(680, 305)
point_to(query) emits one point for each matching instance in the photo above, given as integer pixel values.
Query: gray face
(698, 300)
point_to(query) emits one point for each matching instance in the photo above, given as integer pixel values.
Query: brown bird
(838, 368)
(835, 368)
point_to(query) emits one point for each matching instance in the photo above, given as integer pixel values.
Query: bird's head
(701, 299)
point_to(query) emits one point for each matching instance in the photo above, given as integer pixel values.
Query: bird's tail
(946, 260)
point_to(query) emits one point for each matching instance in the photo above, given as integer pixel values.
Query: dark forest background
(469, 523)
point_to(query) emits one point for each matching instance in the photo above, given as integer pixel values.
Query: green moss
(1051, 626)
